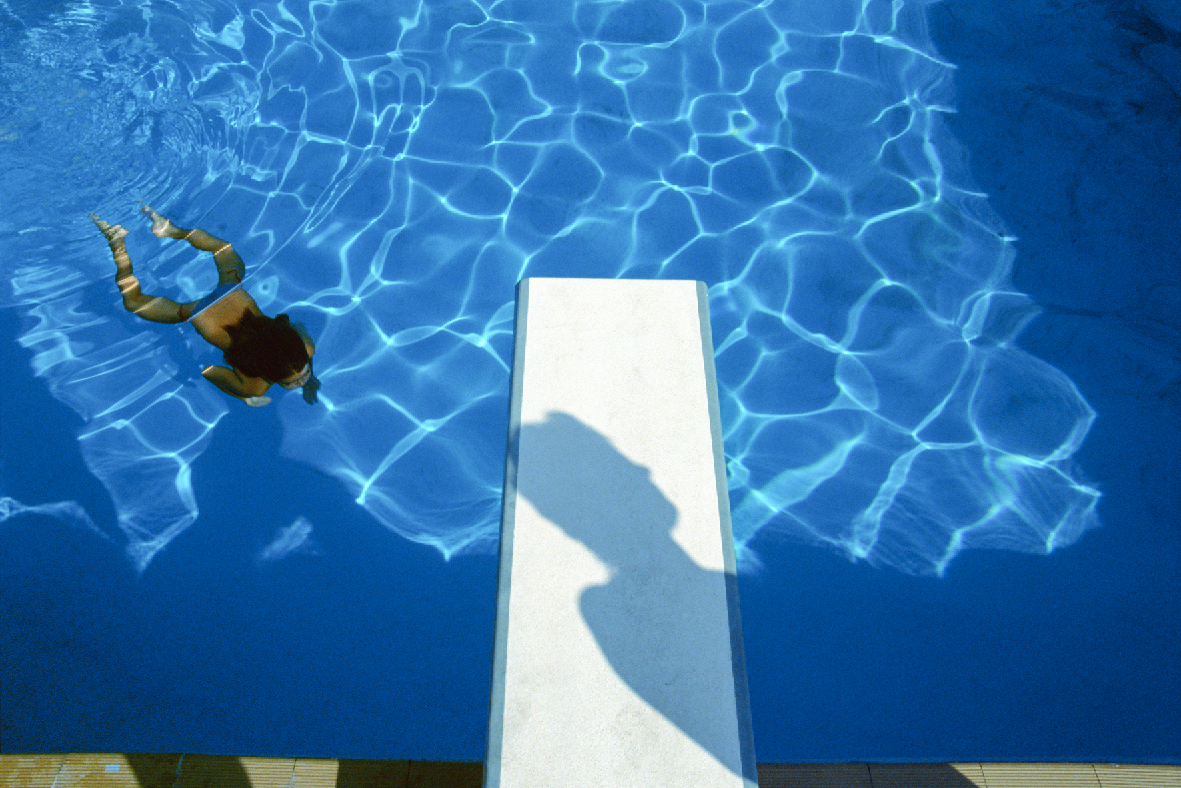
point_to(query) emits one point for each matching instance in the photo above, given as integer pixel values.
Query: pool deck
(95, 770)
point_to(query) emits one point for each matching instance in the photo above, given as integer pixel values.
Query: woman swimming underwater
(259, 350)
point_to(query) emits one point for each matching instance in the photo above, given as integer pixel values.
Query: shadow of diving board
(618, 657)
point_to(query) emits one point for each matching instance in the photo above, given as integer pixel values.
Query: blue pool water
(944, 304)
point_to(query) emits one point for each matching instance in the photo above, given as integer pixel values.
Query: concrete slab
(618, 656)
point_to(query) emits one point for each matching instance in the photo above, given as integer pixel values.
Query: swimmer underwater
(259, 350)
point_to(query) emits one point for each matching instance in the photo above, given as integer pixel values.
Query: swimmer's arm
(235, 383)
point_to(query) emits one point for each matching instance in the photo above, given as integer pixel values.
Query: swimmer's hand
(257, 402)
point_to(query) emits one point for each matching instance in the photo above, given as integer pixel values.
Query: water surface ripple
(390, 170)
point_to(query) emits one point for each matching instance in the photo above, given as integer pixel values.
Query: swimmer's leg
(154, 308)
(230, 267)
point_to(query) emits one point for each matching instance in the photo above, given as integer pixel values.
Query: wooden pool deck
(96, 770)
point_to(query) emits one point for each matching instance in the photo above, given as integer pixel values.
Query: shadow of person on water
(659, 605)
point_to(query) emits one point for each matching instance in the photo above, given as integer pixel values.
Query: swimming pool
(890, 393)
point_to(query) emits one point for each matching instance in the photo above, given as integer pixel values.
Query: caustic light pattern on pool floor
(390, 170)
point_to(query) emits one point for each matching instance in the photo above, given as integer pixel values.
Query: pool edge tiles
(167, 771)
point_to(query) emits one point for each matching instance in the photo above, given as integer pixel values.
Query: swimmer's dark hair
(267, 348)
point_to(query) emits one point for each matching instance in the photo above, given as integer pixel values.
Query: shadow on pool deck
(84, 770)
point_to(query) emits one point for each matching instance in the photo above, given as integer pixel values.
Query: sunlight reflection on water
(390, 170)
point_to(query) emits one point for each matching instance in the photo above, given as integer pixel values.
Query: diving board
(618, 656)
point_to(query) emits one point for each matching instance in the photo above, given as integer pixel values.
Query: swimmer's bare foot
(161, 227)
(112, 232)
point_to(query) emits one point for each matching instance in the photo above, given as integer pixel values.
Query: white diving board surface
(618, 657)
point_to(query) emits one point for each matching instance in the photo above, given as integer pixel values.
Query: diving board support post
(618, 657)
